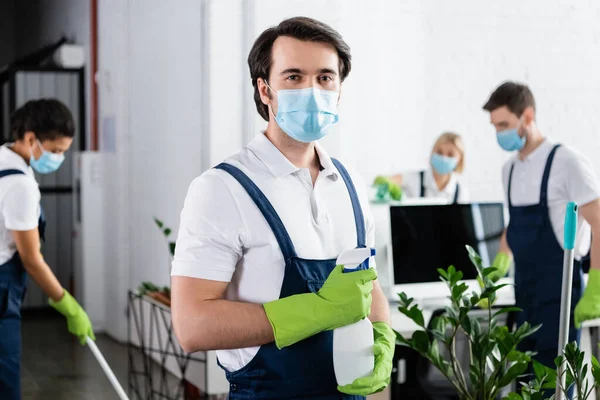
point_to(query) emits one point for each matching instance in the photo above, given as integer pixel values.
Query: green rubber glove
(381, 180)
(385, 185)
(78, 321)
(502, 265)
(589, 305)
(385, 343)
(395, 192)
(344, 299)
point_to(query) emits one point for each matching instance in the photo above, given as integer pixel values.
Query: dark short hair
(301, 28)
(47, 118)
(515, 96)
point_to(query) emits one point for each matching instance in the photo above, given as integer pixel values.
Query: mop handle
(109, 373)
(567, 283)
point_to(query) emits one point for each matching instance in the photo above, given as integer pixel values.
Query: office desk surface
(433, 296)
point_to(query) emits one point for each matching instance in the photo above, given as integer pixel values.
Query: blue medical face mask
(306, 114)
(510, 140)
(48, 162)
(443, 165)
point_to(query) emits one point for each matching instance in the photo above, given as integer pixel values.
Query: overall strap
(456, 193)
(265, 207)
(545, 178)
(359, 219)
(510, 175)
(8, 172)
(422, 177)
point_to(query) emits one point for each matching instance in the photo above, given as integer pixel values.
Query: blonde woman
(440, 181)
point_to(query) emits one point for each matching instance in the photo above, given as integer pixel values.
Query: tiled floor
(56, 367)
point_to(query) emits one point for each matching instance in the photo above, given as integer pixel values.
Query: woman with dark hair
(43, 131)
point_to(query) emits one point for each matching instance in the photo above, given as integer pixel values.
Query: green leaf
(172, 248)
(506, 310)
(420, 341)
(414, 314)
(159, 223)
(596, 370)
(539, 370)
(458, 291)
(475, 258)
(167, 231)
(401, 340)
(489, 270)
(438, 329)
(443, 273)
(513, 372)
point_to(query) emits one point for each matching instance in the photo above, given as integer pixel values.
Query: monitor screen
(428, 237)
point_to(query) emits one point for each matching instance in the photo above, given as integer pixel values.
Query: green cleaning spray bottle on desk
(353, 356)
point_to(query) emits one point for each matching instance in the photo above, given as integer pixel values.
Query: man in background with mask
(539, 181)
(254, 275)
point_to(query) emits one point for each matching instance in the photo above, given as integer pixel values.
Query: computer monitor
(428, 237)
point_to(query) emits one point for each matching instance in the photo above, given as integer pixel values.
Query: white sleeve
(211, 231)
(21, 205)
(581, 180)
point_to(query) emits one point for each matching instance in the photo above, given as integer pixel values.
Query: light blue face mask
(48, 162)
(510, 140)
(443, 165)
(306, 114)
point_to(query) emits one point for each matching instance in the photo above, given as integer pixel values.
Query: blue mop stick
(567, 284)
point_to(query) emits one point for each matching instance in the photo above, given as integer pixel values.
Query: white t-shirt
(411, 187)
(224, 237)
(572, 178)
(19, 201)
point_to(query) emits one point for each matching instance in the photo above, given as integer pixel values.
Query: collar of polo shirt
(280, 166)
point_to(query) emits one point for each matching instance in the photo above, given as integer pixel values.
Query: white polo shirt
(19, 201)
(572, 178)
(411, 187)
(224, 237)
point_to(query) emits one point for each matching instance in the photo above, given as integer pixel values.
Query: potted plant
(494, 363)
(162, 295)
(575, 380)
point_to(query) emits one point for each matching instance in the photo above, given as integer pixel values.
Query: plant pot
(160, 297)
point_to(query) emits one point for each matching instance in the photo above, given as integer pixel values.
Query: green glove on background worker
(343, 300)
(502, 264)
(385, 342)
(589, 305)
(78, 321)
(393, 189)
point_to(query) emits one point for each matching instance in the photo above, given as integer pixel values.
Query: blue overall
(538, 272)
(422, 177)
(305, 369)
(13, 280)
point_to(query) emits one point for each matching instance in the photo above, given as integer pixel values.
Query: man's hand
(78, 321)
(589, 306)
(385, 341)
(344, 299)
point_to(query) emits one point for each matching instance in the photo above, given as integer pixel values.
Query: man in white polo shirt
(539, 181)
(254, 274)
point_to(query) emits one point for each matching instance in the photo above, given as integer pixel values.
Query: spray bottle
(353, 356)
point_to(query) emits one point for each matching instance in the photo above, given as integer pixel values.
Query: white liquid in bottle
(353, 356)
